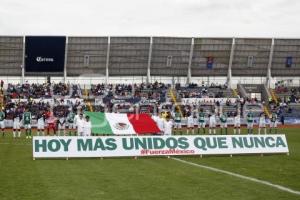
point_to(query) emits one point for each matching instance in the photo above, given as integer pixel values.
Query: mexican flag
(122, 124)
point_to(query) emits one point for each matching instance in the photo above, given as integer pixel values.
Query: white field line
(279, 187)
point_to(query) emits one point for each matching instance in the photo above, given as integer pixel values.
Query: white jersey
(190, 121)
(41, 123)
(62, 123)
(17, 123)
(80, 125)
(160, 124)
(87, 128)
(237, 121)
(212, 121)
(168, 127)
(262, 122)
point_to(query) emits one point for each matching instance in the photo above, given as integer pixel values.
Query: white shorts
(212, 125)
(2, 125)
(201, 125)
(27, 126)
(249, 125)
(273, 124)
(177, 124)
(262, 125)
(16, 125)
(61, 126)
(223, 125)
(190, 125)
(80, 131)
(237, 125)
(41, 126)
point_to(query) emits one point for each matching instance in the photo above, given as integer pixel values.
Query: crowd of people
(190, 118)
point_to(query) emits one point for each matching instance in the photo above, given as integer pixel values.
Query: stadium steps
(274, 96)
(266, 111)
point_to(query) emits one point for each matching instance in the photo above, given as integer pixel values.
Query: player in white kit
(41, 124)
(79, 124)
(262, 123)
(237, 124)
(168, 125)
(17, 124)
(212, 123)
(62, 125)
(160, 123)
(87, 127)
(190, 124)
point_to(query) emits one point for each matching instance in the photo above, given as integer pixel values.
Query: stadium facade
(88, 60)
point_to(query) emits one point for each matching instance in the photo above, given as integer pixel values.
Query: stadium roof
(188, 18)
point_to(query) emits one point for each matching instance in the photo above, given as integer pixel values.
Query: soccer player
(168, 124)
(16, 124)
(41, 124)
(223, 125)
(87, 126)
(79, 124)
(201, 121)
(61, 125)
(212, 123)
(262, 123)
(190, 123)
(237, 123)
(273, 122)
(250, 122)
(51, 123)
(27, 123)
(160, 123)
(71, 122)
(2, 117)
(177, 124)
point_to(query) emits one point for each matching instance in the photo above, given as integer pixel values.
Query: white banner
(207, 100)
(117, 146)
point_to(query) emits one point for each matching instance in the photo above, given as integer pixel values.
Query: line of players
(169, 124)
(75, 124)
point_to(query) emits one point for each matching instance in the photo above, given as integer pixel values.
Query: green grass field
(146, 178)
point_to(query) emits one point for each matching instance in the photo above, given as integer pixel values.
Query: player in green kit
(273, 122)
(250, 121)
(201, 121)
(177, 120)
(223, 119)
(71, 122)
(27, 123)
(2, 117)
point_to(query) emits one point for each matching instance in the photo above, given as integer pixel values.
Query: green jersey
(27, 118)
(273, 117)
(223, 118)
(2, 116)
(70, 117)
(250, 117)
(201, 118)
(177, 117)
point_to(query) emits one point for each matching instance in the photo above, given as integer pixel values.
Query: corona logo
(41, 59)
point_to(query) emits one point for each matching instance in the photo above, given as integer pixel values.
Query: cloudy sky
(207, 18)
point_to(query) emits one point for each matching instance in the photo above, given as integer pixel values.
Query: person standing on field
(27, 123)
(201, 121)
(2, 118)
(273, 122)
(87, 127)
(250, 121)
(262, 123)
